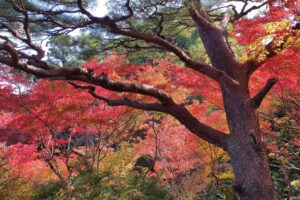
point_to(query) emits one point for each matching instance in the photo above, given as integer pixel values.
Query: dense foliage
(122, 109)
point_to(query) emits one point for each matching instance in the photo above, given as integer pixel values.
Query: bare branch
(245, 12)
(27, 40)
(130, 14)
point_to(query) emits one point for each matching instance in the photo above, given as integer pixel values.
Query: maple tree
(64, 117)
(49, 119)
(54, 128)
(269, 39)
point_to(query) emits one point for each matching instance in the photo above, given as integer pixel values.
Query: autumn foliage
(52, 129)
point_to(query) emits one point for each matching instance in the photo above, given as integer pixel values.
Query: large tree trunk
(250, 165)
(253, 179)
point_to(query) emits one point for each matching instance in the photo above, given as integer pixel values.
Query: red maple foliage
(43, 109)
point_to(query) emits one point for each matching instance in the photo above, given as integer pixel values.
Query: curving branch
(27, 40)
(130, 12)
(218, 75)
(271, 51)
(167, 104)
(203, 131)
(24, 62)
(245, 11)
(258, 98)
(120, 102)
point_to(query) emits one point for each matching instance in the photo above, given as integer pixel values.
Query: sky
(100, 9)
(239, 5)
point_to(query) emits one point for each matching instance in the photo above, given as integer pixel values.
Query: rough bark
(253, 179)
(250, 164)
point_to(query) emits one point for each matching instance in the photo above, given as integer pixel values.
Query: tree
(281, 132)
(150, 25)
(56, 128)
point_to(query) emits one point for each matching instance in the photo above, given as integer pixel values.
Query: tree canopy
(197, 72)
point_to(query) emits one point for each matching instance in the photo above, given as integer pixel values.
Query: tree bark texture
(248, 157)
(253, 179)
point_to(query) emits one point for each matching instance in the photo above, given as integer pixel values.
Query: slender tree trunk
(253, 179)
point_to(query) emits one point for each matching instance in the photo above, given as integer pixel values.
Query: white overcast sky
(100, 10)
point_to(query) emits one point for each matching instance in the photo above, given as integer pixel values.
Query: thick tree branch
(252, 65)
(178, 111)
(167, 105)
(201, 18)
(203, 131)
(7, 46)
(214, 40)
(15, 55)
(272, 49)
(258, 98)
(120, 102)
(216, 74)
